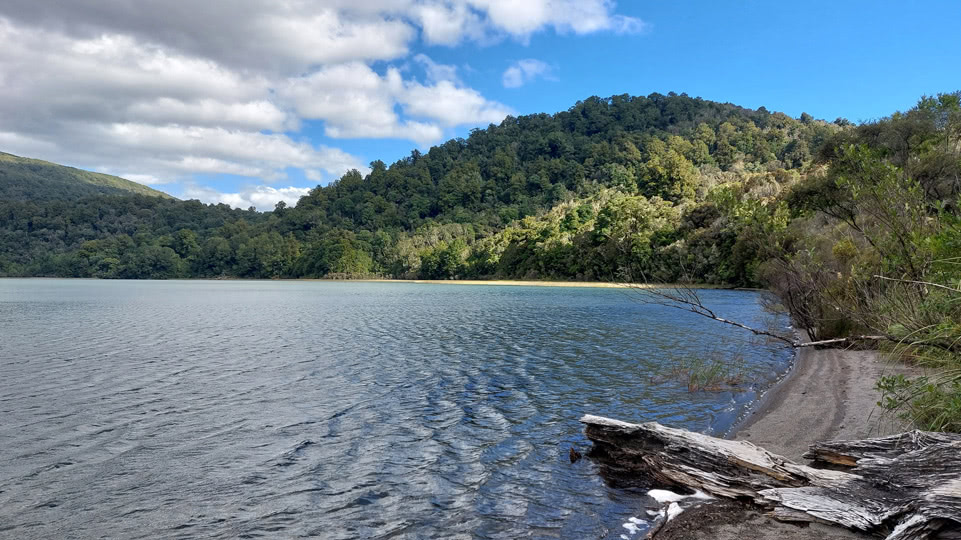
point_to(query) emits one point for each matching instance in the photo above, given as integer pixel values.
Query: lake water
(230, 409)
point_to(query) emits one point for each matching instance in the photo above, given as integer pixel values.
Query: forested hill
(653, 146)
(683, 188)
(855, 228)
(32, 179)
(468, 207)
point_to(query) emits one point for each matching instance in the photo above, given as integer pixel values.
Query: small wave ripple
(336, 410)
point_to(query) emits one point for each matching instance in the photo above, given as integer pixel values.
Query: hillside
(856, 229)
(436, 214)
(32, 179)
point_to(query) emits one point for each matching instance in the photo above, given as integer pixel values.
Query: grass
(930, 402)
(712, 374)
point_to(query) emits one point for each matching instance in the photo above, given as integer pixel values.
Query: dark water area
(339, 410)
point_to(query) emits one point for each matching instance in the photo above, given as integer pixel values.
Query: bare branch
(687, 299)
(849, 339)
(925, 283)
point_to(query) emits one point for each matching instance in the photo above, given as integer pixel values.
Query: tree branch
(849, 339)
(925, 283)
(686, 299)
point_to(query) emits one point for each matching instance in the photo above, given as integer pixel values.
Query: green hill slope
(855, 229)
(32, 179)
(579, 194)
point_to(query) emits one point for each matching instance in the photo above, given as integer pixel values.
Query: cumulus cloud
(282, 36)
(300, 34)
(450, 104)
(437, 72)
(451, 22)
(114, 104)
(525, 71)
(162, 90)
(355, 101)
(260, 197)
(252, 115)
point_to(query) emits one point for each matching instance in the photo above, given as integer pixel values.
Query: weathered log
(901, 488)
(848, 453)
(677, 457)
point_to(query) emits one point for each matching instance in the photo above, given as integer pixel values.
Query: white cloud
(437, 72)
(525, 71)
(147, 179)
(449, 104)
(205, 148)
(622, 24)
(116, 105)
(448, 23)
(326, 37)
(254, 115)
(299, 34)
(351, 98)
(163, 90)
(521, 19)
(355, 101)
(29, 146)
(260, 197)
(263, 34)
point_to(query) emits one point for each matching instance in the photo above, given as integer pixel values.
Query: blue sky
(257, 107)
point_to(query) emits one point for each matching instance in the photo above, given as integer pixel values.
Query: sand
(528, 283)
(829, 394)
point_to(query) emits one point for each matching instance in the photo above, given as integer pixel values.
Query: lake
(244, 409)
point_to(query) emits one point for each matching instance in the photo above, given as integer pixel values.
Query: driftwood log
(902, 487)
(849, 453)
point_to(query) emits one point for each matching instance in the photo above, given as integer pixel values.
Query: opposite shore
(494, 282)
(530, 283)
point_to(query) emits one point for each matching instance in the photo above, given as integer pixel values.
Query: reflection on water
(337, 410)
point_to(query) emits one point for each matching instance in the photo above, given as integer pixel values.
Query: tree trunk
(849, 453)
(901, 487)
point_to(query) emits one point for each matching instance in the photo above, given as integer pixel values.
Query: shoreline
(765, 402)
(525, 283)
(495, 282)
(827, 394)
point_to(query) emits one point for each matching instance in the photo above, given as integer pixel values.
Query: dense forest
(856, 228)
(576, 195)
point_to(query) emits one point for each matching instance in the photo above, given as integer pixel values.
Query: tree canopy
(454, 210)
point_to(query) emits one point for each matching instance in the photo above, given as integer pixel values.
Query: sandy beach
(528, 283)
(829, 394)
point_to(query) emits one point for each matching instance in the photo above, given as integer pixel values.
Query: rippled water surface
(337, 410)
